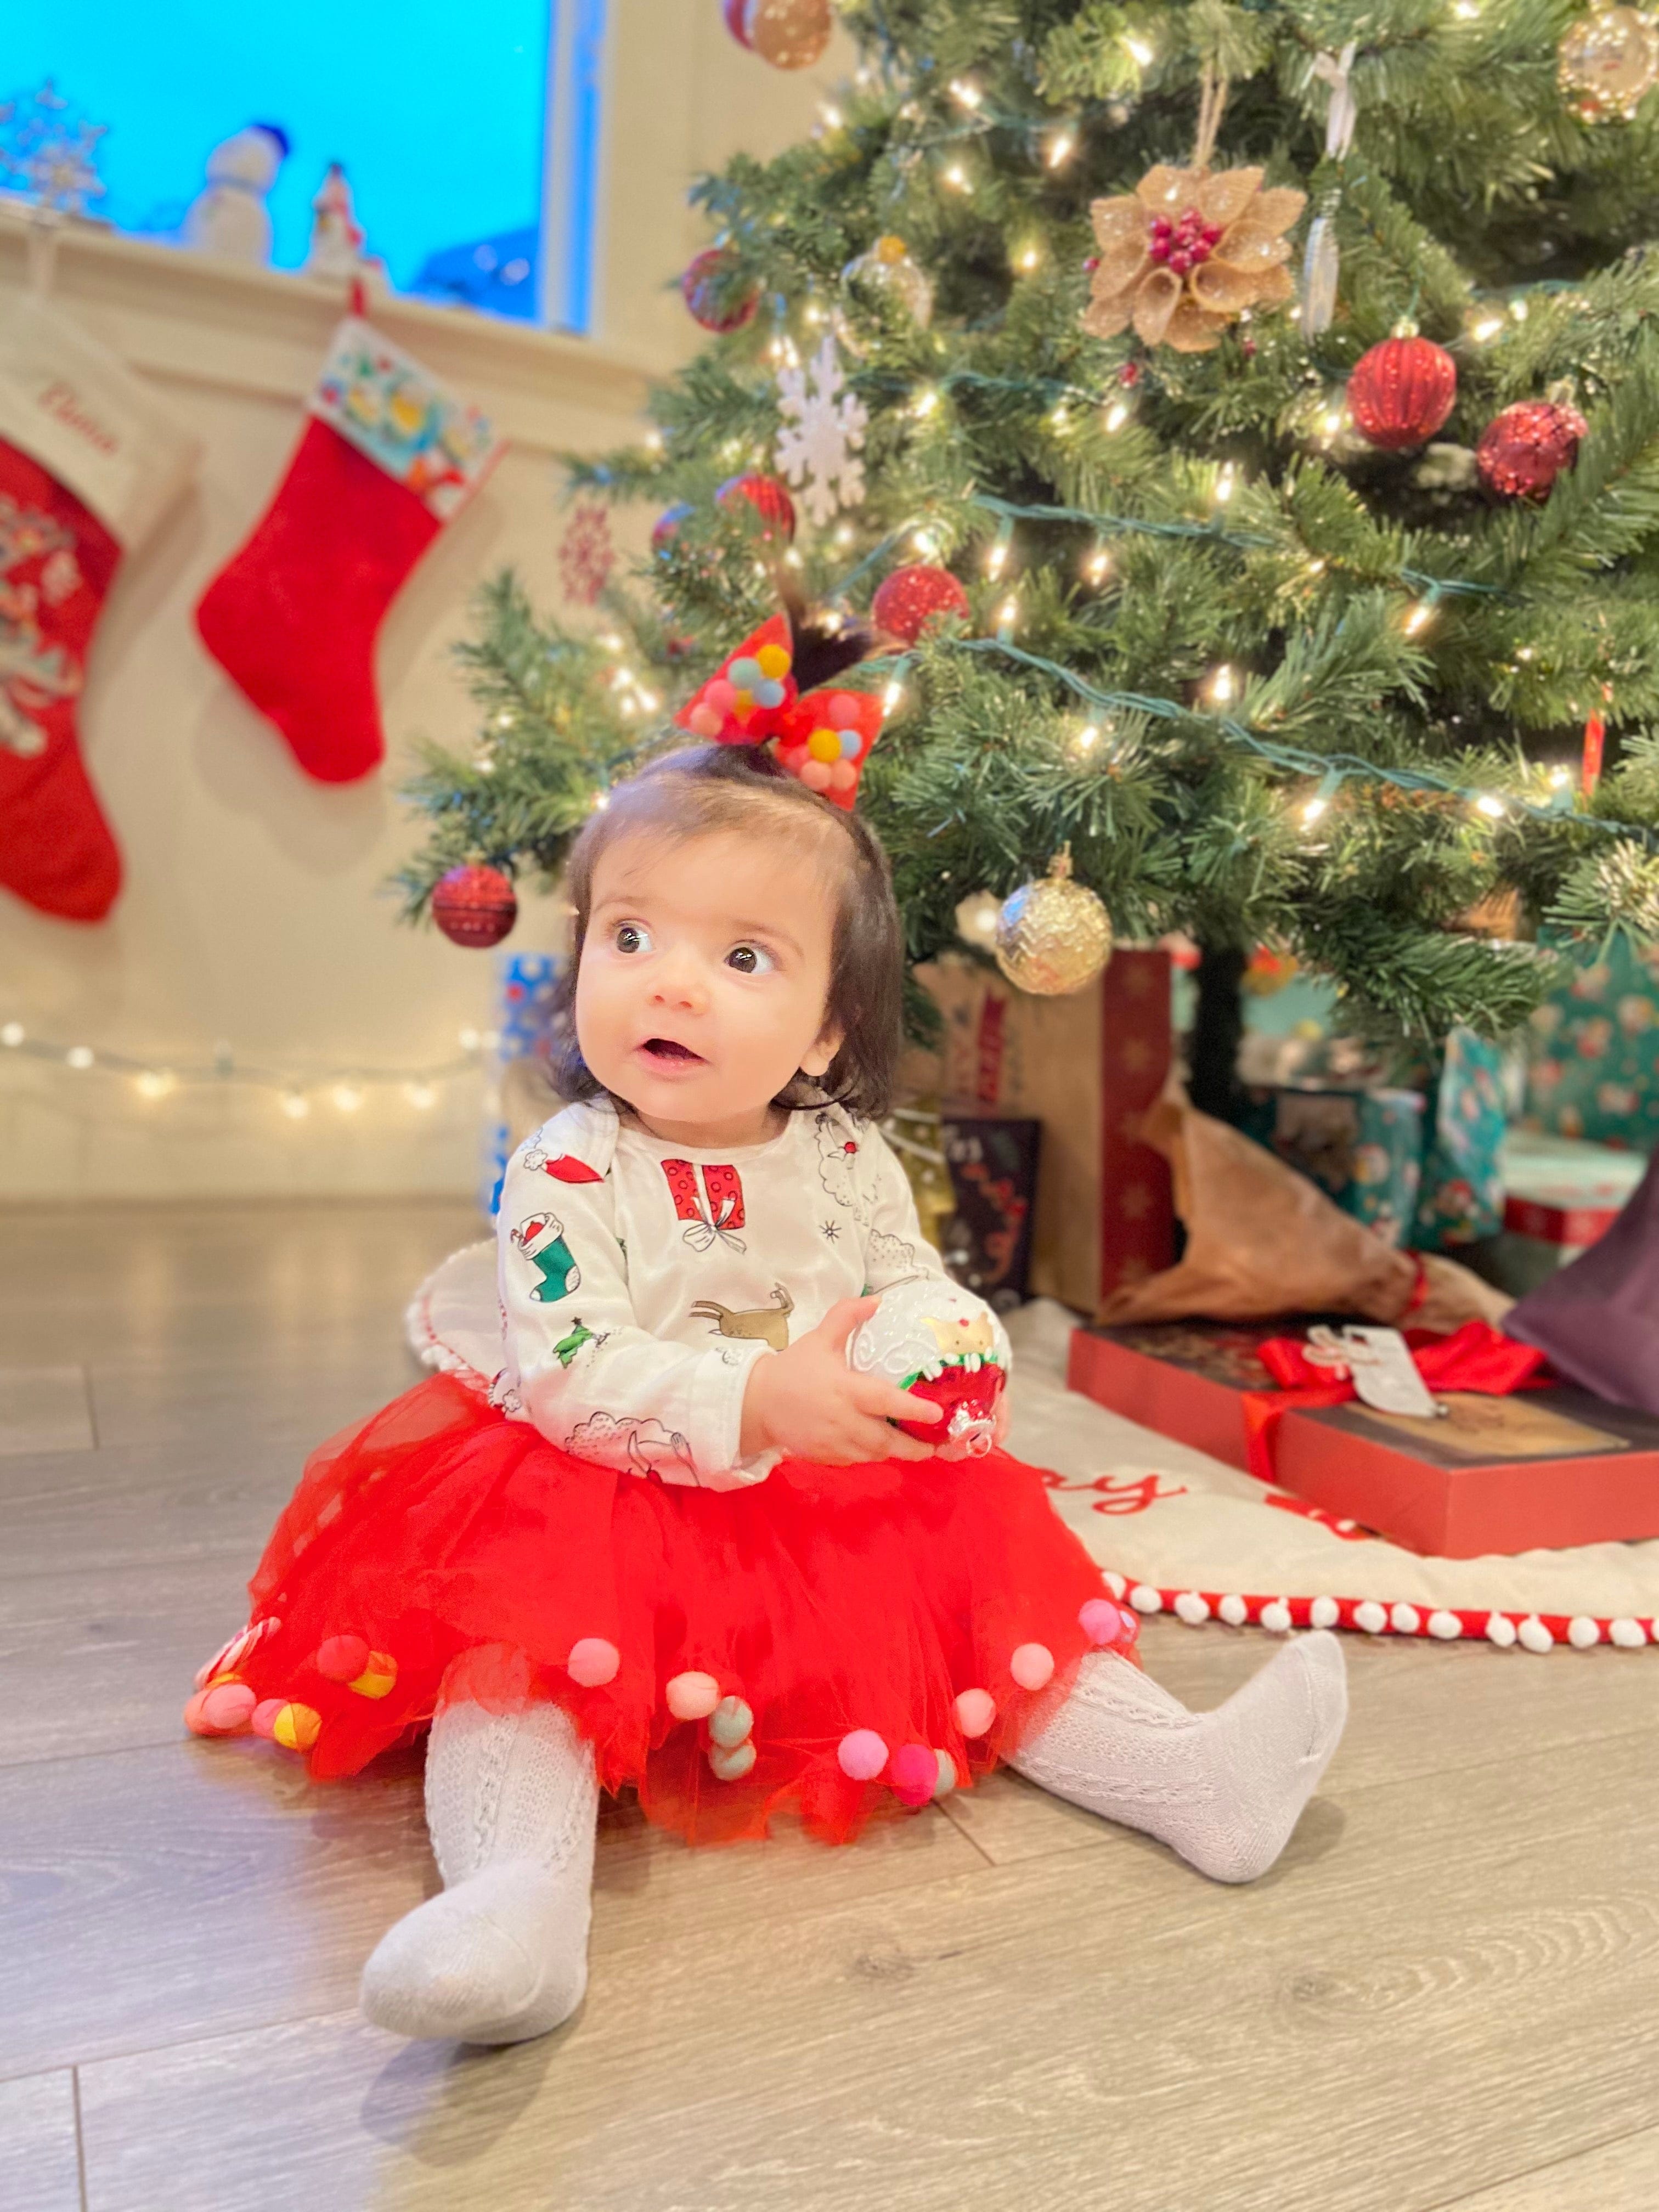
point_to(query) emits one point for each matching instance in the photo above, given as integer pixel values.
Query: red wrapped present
(1544, 1469)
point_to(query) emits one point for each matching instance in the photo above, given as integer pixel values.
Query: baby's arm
(591, 1378)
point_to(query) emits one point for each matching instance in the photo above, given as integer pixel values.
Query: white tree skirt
(1175, 1530)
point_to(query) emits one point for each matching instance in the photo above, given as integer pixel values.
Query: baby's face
(704, 979)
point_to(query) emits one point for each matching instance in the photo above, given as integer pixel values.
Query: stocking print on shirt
(540, 1237)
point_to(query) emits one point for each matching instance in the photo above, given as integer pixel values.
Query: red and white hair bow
(823, 736)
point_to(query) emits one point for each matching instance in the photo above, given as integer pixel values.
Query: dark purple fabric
(1597, 1321)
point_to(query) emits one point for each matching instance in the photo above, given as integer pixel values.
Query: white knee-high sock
(1224, 1789)
(502, 1954)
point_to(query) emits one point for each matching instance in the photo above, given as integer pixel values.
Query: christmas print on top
(568, 1346)
(765, 1324)
(380, 400)
(563, 1167)
(540, 1237)
(640, 1444)
(713, 1216)
(838, 1162)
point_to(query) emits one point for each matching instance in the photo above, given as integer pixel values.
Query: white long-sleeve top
(640, 1281)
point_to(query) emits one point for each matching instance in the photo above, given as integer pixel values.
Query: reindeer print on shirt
(769, 1323)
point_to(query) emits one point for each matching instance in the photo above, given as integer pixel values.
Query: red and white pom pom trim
(1532, 1632)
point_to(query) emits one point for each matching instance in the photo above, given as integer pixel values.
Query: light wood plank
(40, 2168)
(161, 1895)
(101, 1660)
(1615, 2177)
(44, 1409)
(1468, 1986)
(144, 1505)
(247, 1280)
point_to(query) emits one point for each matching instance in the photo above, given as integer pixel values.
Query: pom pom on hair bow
(822, 737)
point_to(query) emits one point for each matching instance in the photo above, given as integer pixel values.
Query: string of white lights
(159, 1076)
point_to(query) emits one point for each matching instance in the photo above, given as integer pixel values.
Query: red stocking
(89, 459)
(386, 460)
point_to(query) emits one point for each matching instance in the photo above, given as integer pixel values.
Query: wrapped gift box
(1362, 1147)
(1564, 1195)
(1595, 1067)
(1086, 1067)
(1546, 1468)
(993, 1159)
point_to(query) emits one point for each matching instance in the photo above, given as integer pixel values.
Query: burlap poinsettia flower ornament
(1187, 251)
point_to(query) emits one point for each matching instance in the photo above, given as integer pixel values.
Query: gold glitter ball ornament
(1610, 63)
(1054, 936)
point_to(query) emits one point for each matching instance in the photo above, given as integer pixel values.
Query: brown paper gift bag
(1262, 1240)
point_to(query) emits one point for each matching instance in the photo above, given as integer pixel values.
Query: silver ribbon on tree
(1322, 264)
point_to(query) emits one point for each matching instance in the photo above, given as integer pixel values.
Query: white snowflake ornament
(823, 426)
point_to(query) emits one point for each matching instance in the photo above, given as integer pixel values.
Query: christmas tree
(1230, 436)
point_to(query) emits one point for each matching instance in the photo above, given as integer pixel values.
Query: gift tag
(1383, 1372)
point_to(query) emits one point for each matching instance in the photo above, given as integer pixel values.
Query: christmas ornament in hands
(89, 462)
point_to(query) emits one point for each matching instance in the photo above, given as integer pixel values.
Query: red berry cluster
(1183, 245)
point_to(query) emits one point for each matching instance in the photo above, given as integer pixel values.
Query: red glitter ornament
(734, 12)
(475, 907)
(908, 599)
(705, 289)
(1523, 450)
(1402, 391)
(766, 496)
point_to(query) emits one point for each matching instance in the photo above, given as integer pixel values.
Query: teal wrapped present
(1362, 1147)
(1595, 1067)
(1460, 1197)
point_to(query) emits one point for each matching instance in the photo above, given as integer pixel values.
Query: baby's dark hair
(702, 790)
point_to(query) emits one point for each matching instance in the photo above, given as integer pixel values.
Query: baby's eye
(749, 959)
(631, 936)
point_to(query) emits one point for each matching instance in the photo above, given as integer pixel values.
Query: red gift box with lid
(1546, 1468)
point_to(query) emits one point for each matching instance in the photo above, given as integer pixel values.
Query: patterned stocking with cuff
(89, 461)
(387, 459)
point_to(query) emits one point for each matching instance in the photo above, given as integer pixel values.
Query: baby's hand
(808, 1402)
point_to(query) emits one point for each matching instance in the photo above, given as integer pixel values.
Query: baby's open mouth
(665, 1049)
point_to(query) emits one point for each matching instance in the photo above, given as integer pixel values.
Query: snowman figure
(230, 216)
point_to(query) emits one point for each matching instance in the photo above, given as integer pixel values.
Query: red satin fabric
(446, 1537)
(1476, 1357)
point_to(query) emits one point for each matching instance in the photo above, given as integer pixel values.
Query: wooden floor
(1446, 1994)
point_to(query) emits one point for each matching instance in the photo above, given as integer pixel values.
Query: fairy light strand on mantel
(157, 1076)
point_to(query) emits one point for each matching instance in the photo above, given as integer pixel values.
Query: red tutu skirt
(833, 1640)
